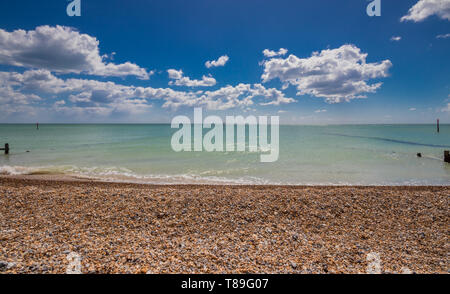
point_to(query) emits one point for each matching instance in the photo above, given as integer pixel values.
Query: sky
(147, 61)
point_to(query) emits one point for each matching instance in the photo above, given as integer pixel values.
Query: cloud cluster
(76, 96)
(181, 80)
(227, 97)
(426, 8)
(270, 53)
(337, 75)
(219, 62)
(63, 50)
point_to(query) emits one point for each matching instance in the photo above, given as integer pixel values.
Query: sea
(308, 155)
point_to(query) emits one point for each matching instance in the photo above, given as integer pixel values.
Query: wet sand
(131, 228)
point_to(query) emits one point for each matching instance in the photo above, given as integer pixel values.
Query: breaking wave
(114, 174)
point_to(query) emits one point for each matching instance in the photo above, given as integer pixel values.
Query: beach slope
(129, 228)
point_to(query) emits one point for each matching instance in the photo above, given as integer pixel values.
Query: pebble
(3, 265)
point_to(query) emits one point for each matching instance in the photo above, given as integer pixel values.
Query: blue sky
(359, 74)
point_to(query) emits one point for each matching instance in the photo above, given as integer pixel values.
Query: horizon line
(168, 123)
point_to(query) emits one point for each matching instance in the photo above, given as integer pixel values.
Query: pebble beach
(132, 228)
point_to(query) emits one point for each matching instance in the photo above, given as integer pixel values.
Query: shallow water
(309, 155)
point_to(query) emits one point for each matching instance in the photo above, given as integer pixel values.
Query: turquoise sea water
(309, 155)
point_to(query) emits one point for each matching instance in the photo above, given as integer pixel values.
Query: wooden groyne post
(438, 125)
(447, 156)
(6, 148)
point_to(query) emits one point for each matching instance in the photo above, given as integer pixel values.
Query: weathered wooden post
(6, 148)
(447, 156)
(438, 125)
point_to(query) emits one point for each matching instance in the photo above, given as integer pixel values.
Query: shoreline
(141, 228)
(79, 179)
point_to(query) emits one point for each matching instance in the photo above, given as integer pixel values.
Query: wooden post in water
(438, 125)
(6, 148)
(447, 156)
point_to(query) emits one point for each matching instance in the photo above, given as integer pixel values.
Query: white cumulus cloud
(337, 75)
(181, 80)
(426, 8)
(219, 62)
(396, 38)
(270, 53)
(63, 50)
